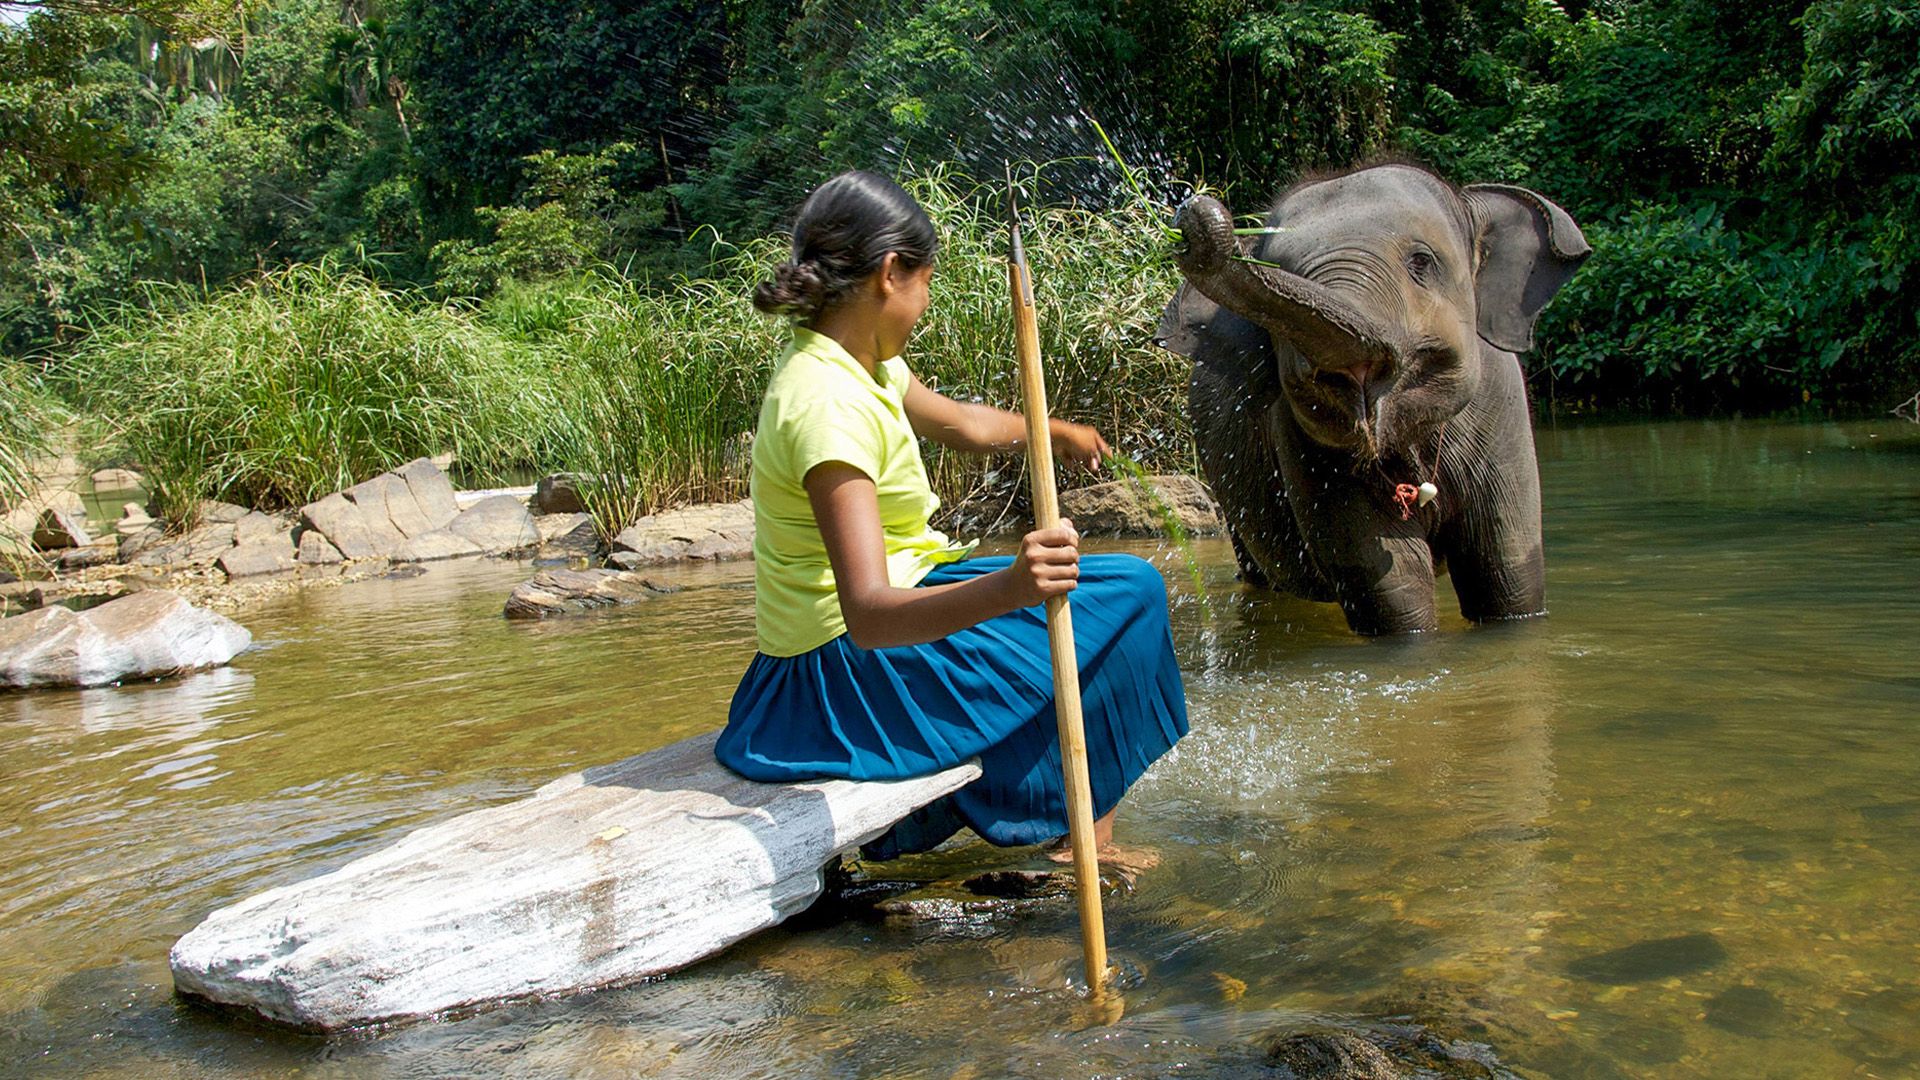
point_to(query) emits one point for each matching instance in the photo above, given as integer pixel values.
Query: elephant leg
(1492, 539)
(1498, 568)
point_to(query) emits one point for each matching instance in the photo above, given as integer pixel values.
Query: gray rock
(198, 548)
(138, 542)
(654, 554)
(272, 554)
(59, 528)
(133, 519)
(558, 494)
(314, 550)
(432, 492)
(141, 635)
(496, 525)
(567, 536)
(387, 497)
(1139, 508)
(443, 544)
(712, 531)
(215, 512)
(1333, 1055)
(82, 558)
(117, 480)
(355, 531)
(600, 878)
(568, 592)
(259, 526)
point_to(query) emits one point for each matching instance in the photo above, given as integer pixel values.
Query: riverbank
(395, 522)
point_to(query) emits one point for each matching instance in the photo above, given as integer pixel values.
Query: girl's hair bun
(846, 229)
(796, 288)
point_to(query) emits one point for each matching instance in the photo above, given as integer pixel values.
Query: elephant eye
(1422, 265)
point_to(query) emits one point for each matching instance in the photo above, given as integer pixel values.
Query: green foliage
(569, 218)
(495, 81)
(1687, 311)
(306, 381)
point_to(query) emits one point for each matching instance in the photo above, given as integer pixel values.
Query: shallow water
(1709, 746)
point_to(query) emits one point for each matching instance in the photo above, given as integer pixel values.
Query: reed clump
(29, 416)
(305, 381)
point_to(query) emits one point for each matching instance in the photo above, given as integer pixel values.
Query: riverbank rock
(373, 518)
(569, 592)
(1119, 507)
(600, 878)
(133, 519)
(558, 494)
(117, 480)
(141, 635)
(497, 525)
(567, 536)
(197, 548)
(714, 531)
(270, 554)
(60, 528)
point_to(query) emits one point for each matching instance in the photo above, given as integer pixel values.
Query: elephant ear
(1183, 326)
(1528, 248)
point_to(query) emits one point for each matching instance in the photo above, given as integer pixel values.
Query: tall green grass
(28, 418)
(304, 382)
(312, 378)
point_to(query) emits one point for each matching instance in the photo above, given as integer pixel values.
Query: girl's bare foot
(1128, 862)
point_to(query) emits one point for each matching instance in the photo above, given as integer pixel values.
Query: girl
(884, 651)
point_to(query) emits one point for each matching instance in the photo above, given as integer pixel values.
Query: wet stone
(1644, 961)
(1747, 1010)
(1332, 1055)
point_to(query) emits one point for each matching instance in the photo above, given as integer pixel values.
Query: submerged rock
(1647, 960)
(141, 635)
(117, 480)
(600, 878)
(567, 592)
(1118, 508)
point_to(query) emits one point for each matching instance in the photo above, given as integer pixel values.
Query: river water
(1672, 830)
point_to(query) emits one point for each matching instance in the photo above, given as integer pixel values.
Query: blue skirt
(842, 711)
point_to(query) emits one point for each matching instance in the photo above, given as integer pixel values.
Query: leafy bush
(1676, 307)
(307, 381)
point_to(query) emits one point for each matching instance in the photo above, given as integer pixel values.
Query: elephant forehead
(1387, 203)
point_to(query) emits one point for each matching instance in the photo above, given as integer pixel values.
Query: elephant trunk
(1330, 332)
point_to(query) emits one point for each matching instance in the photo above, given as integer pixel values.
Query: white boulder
(599, 878)
(141, 635)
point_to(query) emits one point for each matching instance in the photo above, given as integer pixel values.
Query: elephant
(1366, 345)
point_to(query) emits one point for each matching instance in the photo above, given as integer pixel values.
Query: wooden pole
(1066, 666)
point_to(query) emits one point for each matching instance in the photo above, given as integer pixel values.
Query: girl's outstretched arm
(879, 616)
(983, 429)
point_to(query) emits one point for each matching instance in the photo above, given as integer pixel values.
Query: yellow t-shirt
(821, 405)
